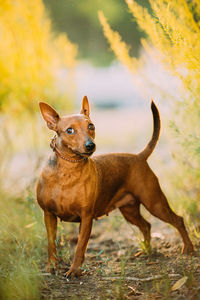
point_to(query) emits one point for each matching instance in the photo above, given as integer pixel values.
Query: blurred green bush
(79, 19)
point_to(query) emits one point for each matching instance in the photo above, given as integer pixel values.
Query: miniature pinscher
(77, 188)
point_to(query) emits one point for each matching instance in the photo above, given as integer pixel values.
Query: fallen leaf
(138, 253)
(30, 225)
(121, 252)
(133, 292)
(148, 263)
(179, 283)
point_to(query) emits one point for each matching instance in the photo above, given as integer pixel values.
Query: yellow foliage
(30, 56)
(118, 46)
(174, 32)
(173, 29)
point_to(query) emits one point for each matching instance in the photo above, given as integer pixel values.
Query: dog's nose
(89, 145)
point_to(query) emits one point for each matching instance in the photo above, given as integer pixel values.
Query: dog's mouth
(86, 153)
(79, 153)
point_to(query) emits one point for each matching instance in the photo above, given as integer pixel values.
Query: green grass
(22, 240)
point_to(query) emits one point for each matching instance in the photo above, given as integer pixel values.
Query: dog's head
(75, 132)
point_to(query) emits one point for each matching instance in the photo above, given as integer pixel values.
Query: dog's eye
(70, 130)
(91, 126)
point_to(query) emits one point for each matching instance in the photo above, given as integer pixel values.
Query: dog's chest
(64, 193)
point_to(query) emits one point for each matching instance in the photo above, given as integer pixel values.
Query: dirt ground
(115, 268)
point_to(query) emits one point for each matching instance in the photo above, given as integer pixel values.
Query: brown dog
(77, 188)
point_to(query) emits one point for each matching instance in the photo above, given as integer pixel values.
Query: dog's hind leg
(132, 214)
(159, 207)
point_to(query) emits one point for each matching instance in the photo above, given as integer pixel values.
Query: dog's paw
(73, 273)
(51, 268)
(187, 249)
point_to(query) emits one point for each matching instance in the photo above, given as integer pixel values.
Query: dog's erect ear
(50, 115)
(85, 107)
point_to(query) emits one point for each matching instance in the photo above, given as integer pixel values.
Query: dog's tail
(156, 132)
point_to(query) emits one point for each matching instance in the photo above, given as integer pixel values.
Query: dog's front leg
(51, 227)
(84, 235)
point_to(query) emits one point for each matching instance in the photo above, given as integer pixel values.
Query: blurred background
(121, 54)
